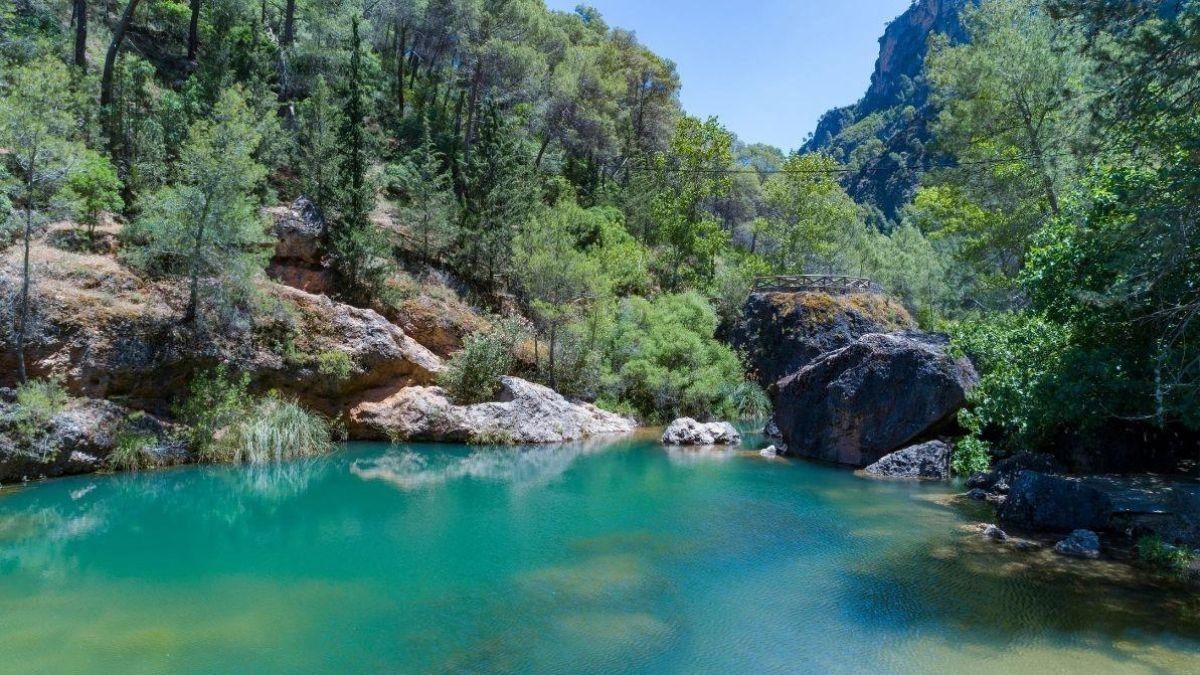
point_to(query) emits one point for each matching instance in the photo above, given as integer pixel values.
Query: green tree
(206, 225)
(361, 251)
(558, 279)
(95, 188)
(429, 212)
(691, 183)
(811, 221)
(36, 124)
(318, 147)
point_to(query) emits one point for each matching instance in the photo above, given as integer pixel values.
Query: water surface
(595, 558)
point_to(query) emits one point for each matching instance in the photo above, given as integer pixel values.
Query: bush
(272, 430)
(216, 402)
(747, 401)
(1021, 398)
(664, 362)
(1173, 560)
(335, 364)
(134, 451)
(473, 373)
(971, 455)
(38, 401)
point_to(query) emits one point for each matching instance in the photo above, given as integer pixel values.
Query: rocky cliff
(885, 135)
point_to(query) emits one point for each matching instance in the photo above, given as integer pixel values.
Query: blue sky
(767, 68)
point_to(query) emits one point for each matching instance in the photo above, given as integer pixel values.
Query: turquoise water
(594, 558)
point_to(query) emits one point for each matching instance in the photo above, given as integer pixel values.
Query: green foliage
(1168, 559)
(425, 185)
(473, 374)
(95, 188)
(272, 430)
(663, 361)
(206, 226)
(746, 400)
(38, 401)
(335, 364)
(1024, 394)
(813, 223)
(317, 148)
(133, 451)
(216, 401)
(971, 455)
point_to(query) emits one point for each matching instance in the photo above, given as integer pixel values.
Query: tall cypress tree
(361, 251)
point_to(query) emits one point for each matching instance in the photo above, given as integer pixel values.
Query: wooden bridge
(824, 283)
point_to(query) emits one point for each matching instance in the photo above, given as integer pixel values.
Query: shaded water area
(606, 557)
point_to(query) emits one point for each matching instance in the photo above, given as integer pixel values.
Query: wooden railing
(826, 283)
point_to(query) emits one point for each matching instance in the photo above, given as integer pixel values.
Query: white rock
(687, 431)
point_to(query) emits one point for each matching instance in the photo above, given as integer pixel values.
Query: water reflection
(522, 468)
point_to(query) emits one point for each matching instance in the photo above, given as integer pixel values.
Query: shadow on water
(986, 593)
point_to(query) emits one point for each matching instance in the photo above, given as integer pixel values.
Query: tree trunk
(23, 328)
(289, 24)
(110, 59)
(81, 34)
(400, 58)
(472, 112)
(194, 31)
(537, 164)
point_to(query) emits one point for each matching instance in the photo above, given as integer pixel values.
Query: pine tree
(430, 209)
(361, 251)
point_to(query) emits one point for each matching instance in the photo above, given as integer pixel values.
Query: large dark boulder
(880, 393)
(1004, 473)
(1056, 503)
(927, 461)
(781, 332)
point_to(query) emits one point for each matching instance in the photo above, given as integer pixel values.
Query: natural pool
(598, 558)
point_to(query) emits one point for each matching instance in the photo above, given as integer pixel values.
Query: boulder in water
(856, 404)
(928, 461)
(1056, 503)
(525, 413)
(687, 431)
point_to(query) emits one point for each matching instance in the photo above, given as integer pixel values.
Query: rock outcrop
(927, 461)
(75, 440)
(687, 431)
(1004, 473)
(110, 335)
(858, 403)
(781, 332)
(525, 413)
(298, 261)
(1041, 501)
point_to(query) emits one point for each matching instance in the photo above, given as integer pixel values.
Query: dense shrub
(473, 374)
(216, 401)
(1022, 394)
(38, 401)
(663, 361)
(1172, 560)
(133, 451)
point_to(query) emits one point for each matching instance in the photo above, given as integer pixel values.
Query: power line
(878, 167)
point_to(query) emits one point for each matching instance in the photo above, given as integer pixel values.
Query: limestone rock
(856, 404)
(687, 431)
(526, 413)
(1081, 544)
(930, 461)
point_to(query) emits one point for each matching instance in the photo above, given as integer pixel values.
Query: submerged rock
(929, 461)
(687, 431)
(856, 404)
(1081, 544)
(526, 413)
(994, 533)
(1056, 503)
(770, 452)
(978, 494)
